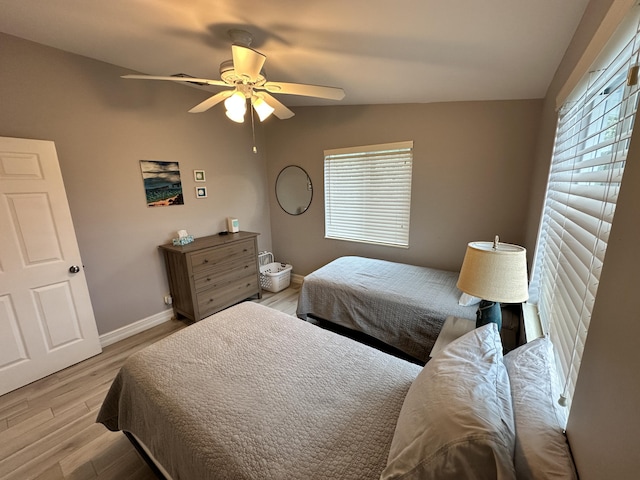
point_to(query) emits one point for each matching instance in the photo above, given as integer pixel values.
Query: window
(367, 193)
(592, 140)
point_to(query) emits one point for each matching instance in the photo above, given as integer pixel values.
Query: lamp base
(489, 312)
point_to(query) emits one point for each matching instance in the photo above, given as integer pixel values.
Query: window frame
(367, 193)
(586, 170)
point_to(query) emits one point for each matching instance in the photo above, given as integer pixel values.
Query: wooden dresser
(212, 273)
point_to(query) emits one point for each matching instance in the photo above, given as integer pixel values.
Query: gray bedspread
(401, 305)
(252, 393)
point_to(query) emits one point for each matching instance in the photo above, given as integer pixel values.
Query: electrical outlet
(168, 300)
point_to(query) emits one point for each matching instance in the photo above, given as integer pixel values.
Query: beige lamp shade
(495, 271)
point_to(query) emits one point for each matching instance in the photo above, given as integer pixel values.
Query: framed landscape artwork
(162, 184)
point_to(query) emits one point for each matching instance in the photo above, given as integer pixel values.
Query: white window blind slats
(570, 269)
(368, 193)
(579, 219)
(355, 189)
(393, 156)
(381, 216)
(602, 157)
(591, 206)
(390, 171)
(602, 193)
(583, 233)
(590, 151)
(604, 69)
(386, 228)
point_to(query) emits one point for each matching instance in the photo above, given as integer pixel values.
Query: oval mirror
(294, 190)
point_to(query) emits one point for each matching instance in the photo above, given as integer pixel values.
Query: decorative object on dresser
(233, 225)
(183, 238)
(212, 273)
(495, 272)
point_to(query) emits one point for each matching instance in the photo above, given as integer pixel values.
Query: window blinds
(368, 193)
(592, 140)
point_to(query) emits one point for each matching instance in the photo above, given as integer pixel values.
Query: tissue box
(183, 240)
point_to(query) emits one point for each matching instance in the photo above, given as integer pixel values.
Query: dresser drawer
(214, 299)
(225, 273)
(205, 259)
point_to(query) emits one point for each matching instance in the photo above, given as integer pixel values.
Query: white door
(46, 318)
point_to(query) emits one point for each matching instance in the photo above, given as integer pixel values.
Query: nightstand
(513, 331)
(453, 327)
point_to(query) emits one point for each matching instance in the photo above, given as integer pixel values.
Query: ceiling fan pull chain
(253, 132)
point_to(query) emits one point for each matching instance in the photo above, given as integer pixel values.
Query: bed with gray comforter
(253, 393)
(401, 305)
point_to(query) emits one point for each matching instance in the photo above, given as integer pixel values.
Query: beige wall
(102, 126)
(472, 164)
(604, 421)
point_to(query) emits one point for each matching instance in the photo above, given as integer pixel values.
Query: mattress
(253, 393)
(401, 305)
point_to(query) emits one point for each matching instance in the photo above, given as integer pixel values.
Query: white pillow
(467, 300)
(542, 451)
(456, 420)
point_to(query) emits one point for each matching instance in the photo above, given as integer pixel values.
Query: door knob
(74, 269)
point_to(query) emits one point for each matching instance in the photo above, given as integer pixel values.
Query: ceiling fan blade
(319, 91)
(247, 62)
(206, 81)
(279, 110)
(211, 101)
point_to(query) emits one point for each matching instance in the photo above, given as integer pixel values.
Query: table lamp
(495, 272)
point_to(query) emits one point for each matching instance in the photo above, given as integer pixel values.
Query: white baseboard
(295, 278)
(136, 327)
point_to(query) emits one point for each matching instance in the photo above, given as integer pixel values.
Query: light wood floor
(48, 429)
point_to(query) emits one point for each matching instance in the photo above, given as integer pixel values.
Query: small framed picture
(199, 176)
(201, 192)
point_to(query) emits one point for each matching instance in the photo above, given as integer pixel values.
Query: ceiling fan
(246, 80)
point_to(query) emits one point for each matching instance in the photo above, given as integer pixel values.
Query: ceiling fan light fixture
(235, 116)
(236, 106)
(236, 103)
(262, 108)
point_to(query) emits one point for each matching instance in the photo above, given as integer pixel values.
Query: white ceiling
(378, 51)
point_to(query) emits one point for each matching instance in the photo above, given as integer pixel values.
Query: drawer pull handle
(210, 300)
(246, 266)
(205, 261)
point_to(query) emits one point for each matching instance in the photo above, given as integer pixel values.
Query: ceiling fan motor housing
(240, 37)
(229, 75)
